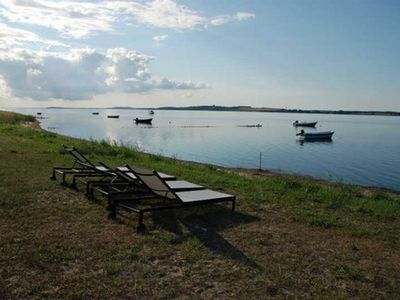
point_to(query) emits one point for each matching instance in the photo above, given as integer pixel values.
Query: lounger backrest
(120, 174)
(152, 180)
(79, 156)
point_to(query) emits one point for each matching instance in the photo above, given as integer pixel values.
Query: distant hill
(257, 109)
(280, 110)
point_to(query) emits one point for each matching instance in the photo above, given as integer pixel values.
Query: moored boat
(151, 112)
(323, 135)
(113, 116)
(304, 124)
(95, 113)
(143, 121)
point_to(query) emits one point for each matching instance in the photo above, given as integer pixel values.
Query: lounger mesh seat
(201, 195)
(173, 199)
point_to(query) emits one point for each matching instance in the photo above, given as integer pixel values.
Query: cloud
(80, 74)
(224, 19)
(160, 38)
(4, 89)
(78, 19)
(72, 18)
(186, 85)
(163, 14)
(10, 36)
(243, 16)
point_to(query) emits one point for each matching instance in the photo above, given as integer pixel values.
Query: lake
(364, 149)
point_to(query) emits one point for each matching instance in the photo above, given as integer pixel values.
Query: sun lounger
(83, 167)
(120, 180)
(126, 185)
(161, 189)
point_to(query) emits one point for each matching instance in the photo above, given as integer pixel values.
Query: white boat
(323, 135)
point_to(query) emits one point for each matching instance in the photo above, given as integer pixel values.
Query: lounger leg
(89, 192)
(113, 210)
(141, 227)
(53, 176)
(73, 184)
(109, 205)
(233, 205)
(87, 188)
(63, 182)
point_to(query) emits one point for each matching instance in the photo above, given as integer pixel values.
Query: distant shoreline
(252, 109)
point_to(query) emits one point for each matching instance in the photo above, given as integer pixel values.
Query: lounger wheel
(53, 178)
(112, 215)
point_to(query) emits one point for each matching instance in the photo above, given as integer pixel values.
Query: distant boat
(323, 135)
(256, 125)
(151, 112)
(113, 116)
(304, 124)
(95, 113)
(39, 113)
(143, 121)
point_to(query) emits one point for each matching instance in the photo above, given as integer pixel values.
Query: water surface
(364, 149)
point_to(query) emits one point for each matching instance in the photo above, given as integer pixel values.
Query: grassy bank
(290, 236)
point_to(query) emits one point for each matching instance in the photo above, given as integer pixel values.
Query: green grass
(290, 236)
(11, 118)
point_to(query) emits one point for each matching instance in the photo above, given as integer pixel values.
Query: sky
(305, 54)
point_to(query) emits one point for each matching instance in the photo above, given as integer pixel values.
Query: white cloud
(80, 74)
(186, 85)
(160, 38)
(10, 36)
(224, 19)
(79, 18)
(243, 16)
(5, 91)
(163, 14)
(72, 18)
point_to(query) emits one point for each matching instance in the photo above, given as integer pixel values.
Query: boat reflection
(318, 141)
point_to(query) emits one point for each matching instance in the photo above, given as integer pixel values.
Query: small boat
(143, 121)
(39, 113)
(113, 116)
(323, 135)
(304, 124)
(95, 113)
(151, 112)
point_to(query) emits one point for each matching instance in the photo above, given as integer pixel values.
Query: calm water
(364, 149)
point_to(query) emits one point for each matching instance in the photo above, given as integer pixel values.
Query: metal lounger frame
(114, 202)
(84, 168)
